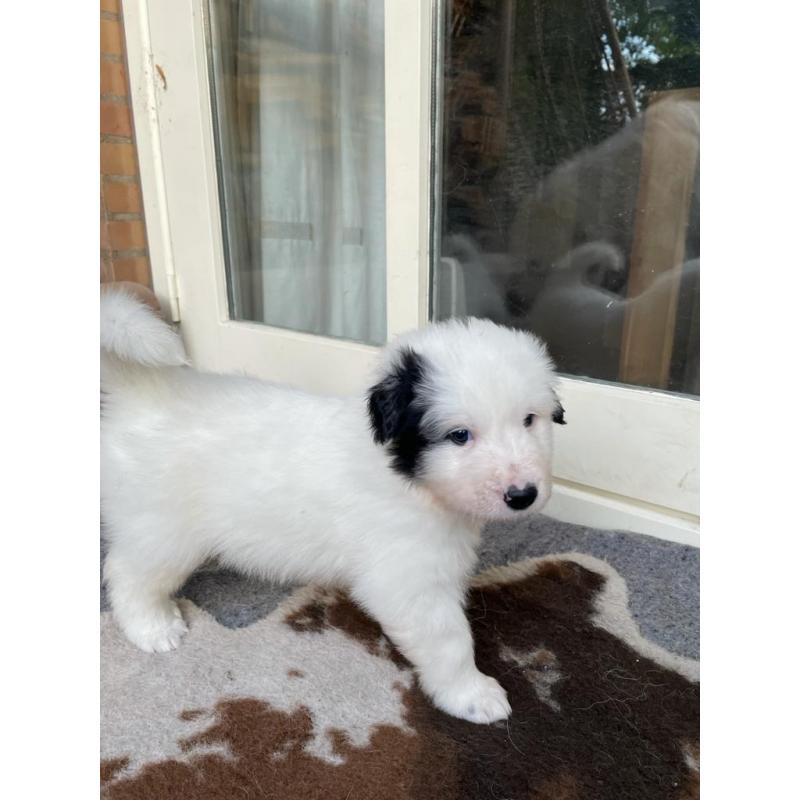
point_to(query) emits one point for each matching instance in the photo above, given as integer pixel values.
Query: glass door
(298, 99)
(320, 176)
(285, 155)
(567, 204)
(568, 199)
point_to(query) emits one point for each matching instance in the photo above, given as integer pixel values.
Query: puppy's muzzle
(519, 499)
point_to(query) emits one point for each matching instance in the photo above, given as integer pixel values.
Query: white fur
(291, 486)
(131, 331)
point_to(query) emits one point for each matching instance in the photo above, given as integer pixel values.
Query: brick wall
(123, 242)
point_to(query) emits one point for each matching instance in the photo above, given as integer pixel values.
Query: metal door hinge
(174, 300)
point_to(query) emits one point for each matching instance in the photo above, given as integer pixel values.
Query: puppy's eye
(528, 421)
(460, 436)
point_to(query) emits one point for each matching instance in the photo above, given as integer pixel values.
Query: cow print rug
(312, 701)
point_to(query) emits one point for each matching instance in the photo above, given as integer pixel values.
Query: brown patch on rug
(335, 610)
(191, 714)
(593, 718)
(269, 759)
(111, 767)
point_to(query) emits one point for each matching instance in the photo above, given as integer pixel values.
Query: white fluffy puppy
(385, 494)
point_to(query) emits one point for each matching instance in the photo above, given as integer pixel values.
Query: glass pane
(298, 97)
(569, 196)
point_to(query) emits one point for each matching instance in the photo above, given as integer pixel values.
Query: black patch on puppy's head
(395, 413)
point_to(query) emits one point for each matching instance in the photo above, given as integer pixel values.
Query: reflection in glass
(569, 202)
(298, 96)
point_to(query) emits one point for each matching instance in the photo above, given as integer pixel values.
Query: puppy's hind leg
(141, 598)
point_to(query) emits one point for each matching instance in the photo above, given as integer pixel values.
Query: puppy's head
(466, 411)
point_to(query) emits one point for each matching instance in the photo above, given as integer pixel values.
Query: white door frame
(602, 478)
(174, 127)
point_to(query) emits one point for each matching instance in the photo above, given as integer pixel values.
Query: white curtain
(309, 119)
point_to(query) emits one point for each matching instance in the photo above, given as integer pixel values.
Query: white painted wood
(627, 457)
(632, 442)
(145, 101)
(583, 506)
(409, 43)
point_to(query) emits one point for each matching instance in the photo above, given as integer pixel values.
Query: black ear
(558, 413)
(390, 400)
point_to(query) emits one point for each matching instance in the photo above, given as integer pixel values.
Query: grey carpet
(663, 578)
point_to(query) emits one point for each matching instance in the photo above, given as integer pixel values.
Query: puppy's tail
(131, 331)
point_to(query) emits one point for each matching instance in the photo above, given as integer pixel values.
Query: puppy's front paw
(478, 699)
(158, 632)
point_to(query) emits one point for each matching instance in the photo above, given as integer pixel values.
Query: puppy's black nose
(520, 498)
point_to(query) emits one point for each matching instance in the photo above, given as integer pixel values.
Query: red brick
(106, 269)
(127, 234)
(133, 269)
(111, 41)
(115, 119)
(117, 159)
(122, 198)
(113, 79)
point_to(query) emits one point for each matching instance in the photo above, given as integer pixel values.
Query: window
(298, 95)
(568, 200)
